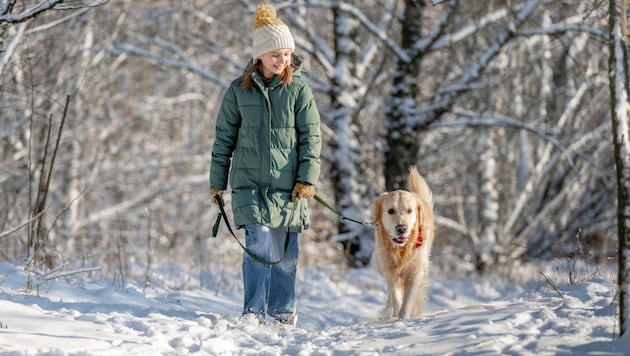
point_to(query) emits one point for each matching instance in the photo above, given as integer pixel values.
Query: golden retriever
(404, 236)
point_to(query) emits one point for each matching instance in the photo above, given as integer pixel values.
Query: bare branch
(7, 52)
(30, 12)
(38, 8)
(423, 119)
(473, 120)
(182, 64)
(16, 228)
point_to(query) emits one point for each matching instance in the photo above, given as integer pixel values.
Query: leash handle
(215, 227)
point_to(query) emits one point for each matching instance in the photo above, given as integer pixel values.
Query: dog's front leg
(387, 311)
(394, 296)
(411, 287)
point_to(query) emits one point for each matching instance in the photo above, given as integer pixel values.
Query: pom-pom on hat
(270, 33)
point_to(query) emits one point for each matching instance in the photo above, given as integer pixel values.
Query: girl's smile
(274, 62)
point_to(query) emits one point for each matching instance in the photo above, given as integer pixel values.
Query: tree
(472, 77)
(620, 112)
(356, 65)
(506, 115)
(42, 146)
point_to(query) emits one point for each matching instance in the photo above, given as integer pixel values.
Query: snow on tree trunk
(350, 179)
(620, 112)
(489, 214)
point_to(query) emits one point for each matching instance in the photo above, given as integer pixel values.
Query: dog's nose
(401, 229)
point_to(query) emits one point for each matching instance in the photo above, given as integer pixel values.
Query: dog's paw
(384, 314)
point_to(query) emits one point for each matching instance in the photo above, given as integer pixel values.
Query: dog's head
(397, 214)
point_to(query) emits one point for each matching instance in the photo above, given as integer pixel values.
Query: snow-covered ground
(77, 315)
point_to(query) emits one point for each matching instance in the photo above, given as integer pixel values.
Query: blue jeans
(270, 289)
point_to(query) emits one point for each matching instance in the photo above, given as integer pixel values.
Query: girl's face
(274, 62)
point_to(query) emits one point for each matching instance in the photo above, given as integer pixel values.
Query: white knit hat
(270, 33)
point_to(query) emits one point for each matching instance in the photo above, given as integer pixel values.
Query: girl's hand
(214, 192)
(302, 191)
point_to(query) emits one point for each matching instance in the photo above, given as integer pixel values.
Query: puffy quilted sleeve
(227, 126)
(307, 123)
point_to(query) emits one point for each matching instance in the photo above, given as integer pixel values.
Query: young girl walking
(268, 142)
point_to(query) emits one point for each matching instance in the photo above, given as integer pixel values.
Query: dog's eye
(409, 211)
(391, 211)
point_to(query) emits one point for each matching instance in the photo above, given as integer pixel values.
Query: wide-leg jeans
(270, 288)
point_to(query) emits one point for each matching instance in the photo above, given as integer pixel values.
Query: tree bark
(402, 140)
(620, 113)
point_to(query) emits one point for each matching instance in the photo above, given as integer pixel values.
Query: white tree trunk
(489, 197)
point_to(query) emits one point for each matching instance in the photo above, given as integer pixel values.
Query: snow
(82, 315)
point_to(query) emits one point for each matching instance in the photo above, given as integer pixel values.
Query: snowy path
(336, 318)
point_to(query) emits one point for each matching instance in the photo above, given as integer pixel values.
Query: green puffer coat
(271, 136)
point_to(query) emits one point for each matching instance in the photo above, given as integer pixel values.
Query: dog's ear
(419, 212)
(377, 209)
(420, 222)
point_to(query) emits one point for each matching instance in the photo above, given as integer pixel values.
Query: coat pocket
(245, 205)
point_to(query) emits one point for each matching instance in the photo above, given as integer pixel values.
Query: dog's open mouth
(400, 234)
(399, 240)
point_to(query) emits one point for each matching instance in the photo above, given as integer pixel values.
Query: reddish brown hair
(286, 76)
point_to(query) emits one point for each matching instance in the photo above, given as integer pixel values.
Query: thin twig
(49, 277)
(16, 228)
(120, 257)
(147, 272)
(65, 208)
(552, 284)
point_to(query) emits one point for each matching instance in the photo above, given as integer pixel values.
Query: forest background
(107, 112)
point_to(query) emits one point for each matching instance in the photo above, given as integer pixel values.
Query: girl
(268, 141)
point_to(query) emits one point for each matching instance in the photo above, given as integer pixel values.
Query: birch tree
(620, 113)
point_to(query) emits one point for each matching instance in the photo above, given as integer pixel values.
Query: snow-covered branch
(563, 28)
(474, 120)
(33, 10)
(20, 226)
(465, 31)
(358, 14)
(424, 44)
(177, 63)
(475, 70)
(29, 12)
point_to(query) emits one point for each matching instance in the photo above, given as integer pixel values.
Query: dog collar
(420, 241)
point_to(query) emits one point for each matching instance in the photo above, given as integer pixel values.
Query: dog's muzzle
(400, 238)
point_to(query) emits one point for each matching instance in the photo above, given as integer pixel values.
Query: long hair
(286, 77)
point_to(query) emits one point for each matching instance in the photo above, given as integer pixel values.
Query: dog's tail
(418, 185)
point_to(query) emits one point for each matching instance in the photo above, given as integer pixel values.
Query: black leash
(215, 230)
(326, 205)
(222, 214)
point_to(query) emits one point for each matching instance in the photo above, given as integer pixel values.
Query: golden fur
(404, 236)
